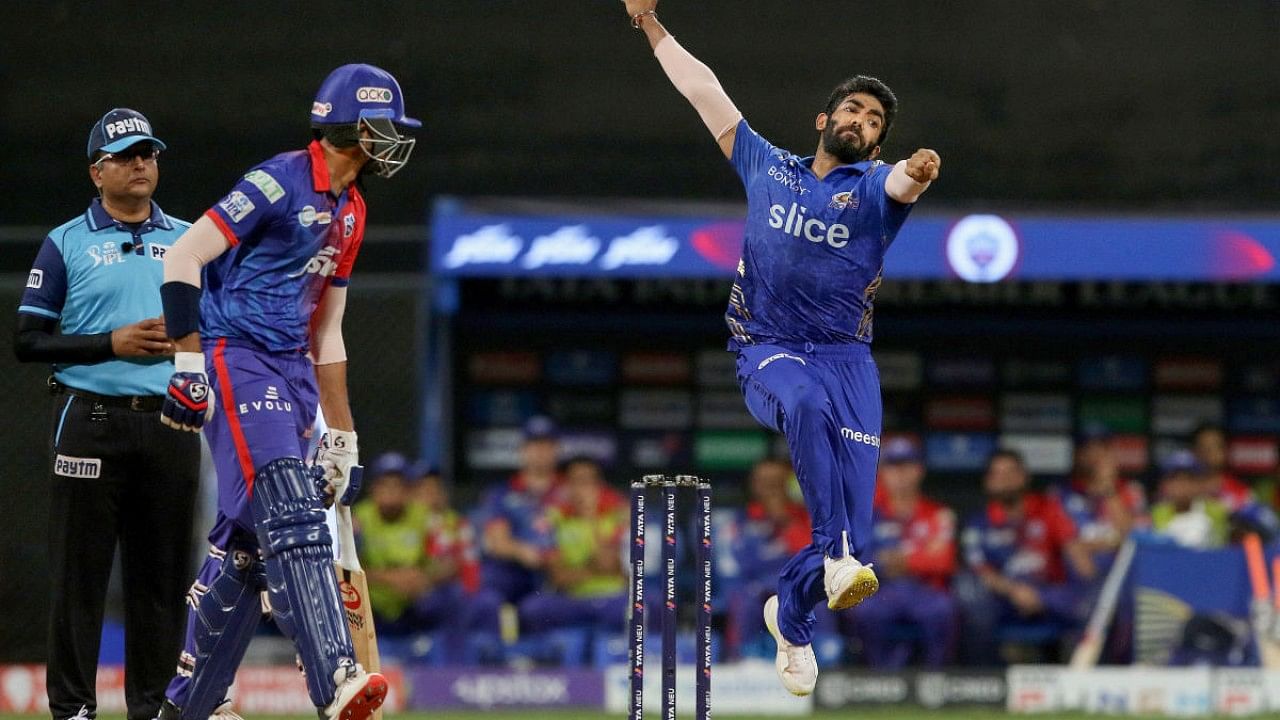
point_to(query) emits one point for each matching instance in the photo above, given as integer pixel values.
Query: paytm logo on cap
(127, 126)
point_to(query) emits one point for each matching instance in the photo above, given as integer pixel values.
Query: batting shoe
(847, 581)
(224, 712)
(796, 664)
(358, 694)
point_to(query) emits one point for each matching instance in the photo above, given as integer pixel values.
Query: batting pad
(299, 555)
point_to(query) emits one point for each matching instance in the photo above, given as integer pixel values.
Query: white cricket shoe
(358, 693)
(796, 664)
(847, 581)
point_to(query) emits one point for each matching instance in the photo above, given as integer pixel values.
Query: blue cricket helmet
(360, 96)
(357, 91)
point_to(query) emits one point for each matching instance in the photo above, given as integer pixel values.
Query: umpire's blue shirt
(84, 279)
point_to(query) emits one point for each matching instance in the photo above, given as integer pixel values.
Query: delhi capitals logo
(348, 225)
(983, 248)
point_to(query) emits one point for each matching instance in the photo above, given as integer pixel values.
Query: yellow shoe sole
(864, 585)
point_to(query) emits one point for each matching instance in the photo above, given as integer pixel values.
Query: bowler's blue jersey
(814, 249)
(84, 278)
(290, 238)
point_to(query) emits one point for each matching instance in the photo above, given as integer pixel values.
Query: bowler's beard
(847, 151)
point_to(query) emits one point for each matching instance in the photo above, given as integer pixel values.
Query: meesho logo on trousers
(858, 436)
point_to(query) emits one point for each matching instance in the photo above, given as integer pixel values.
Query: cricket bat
(353, 588)
(1089, 649)
(1263, 612)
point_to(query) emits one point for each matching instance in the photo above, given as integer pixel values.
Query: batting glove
(189, 403)
(337, 456)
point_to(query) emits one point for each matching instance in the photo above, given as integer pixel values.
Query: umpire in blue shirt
(91, 308)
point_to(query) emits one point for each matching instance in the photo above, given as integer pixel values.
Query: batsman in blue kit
(800, 314)
(253, 296)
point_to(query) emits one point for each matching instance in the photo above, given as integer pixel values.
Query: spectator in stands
(771, 529)
(915, 555)
(512, 517)
(1104, 506)
(1189, 512)
(1209, 443)
(414, 556)
(1017, 550)
(1249, 514)
(449, 536)
(586, 576)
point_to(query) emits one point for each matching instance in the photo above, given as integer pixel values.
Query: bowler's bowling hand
(635, 7)
(923, 165)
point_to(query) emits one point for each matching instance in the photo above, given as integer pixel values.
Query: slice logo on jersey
(262, 180)
(35, 280)
(105, 254)
(844, 200)
(374, 95)
(983, 248)
(158, 251)
(320, 109)
(348, 225)
(75, 467)
(308, 216)
(793, 222)
(858, 436)
(237, 205)
(323, 263)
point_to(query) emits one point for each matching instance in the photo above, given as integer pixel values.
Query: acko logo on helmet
(374, 94)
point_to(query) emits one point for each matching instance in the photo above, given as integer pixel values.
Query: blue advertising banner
(977, 248)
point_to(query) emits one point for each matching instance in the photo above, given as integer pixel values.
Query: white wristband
(188, 362)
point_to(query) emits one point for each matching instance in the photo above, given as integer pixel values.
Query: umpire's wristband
(181, 302)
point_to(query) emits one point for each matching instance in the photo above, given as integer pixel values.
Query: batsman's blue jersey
(814, 250)
(290, 238)
(86, 279)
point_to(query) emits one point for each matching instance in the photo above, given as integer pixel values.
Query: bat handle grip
(347, 556)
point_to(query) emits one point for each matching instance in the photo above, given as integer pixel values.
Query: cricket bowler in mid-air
(254, 295)
(800, 316)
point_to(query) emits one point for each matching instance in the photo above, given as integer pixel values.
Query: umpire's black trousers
(117, 475)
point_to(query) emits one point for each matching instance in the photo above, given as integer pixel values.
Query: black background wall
(1084, 103)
